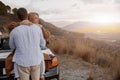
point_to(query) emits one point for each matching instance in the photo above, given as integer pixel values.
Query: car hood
(47, 51)
(4, 54)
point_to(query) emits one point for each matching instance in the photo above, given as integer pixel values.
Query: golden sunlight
(105, 19)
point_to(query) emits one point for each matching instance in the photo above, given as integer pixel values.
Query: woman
(33, 19)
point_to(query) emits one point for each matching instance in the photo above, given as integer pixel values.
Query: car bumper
(52, 73)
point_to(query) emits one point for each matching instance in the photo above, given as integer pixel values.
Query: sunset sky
(101, 11)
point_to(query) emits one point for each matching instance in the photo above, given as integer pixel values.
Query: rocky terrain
(72, 69)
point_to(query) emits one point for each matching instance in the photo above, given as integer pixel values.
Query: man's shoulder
(21, 26)
(17, 28)
(36, 26)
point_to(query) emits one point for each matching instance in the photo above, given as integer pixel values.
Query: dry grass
(116, 68)
(80, 49)
(89, 50)
(90, 78)
(91, 74)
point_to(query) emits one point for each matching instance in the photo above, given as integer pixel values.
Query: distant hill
(92, 27)
(61, 24)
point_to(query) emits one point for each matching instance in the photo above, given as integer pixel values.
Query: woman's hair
(31, 15)
(12, 25)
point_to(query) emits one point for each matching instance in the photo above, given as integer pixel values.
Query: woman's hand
(42, 77)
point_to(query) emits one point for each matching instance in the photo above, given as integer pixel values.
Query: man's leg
(24, 72)
(35, 72)
(16, 71)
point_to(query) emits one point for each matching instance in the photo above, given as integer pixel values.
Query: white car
(51, 64)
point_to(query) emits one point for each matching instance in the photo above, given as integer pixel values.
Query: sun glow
(105, 19)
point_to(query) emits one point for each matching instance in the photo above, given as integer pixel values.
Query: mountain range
(92, 27)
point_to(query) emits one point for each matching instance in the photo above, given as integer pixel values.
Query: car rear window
(4, 43)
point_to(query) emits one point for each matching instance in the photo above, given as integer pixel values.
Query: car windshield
(4, 44)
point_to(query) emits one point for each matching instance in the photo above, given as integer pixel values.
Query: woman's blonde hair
(31, 15)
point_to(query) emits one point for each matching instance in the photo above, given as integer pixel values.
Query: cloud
(117, 1)
(67, 9)
(92, 1)
(97, 1)
(51, 4)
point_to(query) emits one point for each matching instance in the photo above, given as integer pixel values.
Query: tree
(8, 9)
(3, 10)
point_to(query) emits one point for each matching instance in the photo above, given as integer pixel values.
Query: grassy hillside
(5, 20)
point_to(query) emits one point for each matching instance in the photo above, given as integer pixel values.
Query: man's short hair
(22, 13)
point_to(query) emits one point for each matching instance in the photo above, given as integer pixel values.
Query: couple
(27, 39)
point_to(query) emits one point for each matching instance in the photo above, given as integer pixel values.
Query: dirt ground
(77, 69)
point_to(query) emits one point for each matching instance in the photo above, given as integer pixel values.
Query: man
(27, 40)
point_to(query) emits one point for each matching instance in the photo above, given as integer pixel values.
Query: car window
(4, 44)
